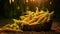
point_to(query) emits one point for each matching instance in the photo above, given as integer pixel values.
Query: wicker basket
(40, 27)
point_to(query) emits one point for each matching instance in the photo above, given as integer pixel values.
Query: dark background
(9, 11)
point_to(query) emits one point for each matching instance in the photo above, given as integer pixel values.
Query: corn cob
(44, 20)
(37, 11)
(41, 12)
(49, 16)
(16, 21)
(22, 17)
(28, 18)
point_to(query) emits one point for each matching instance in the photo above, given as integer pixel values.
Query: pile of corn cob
(12, 27)
(38, 17)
